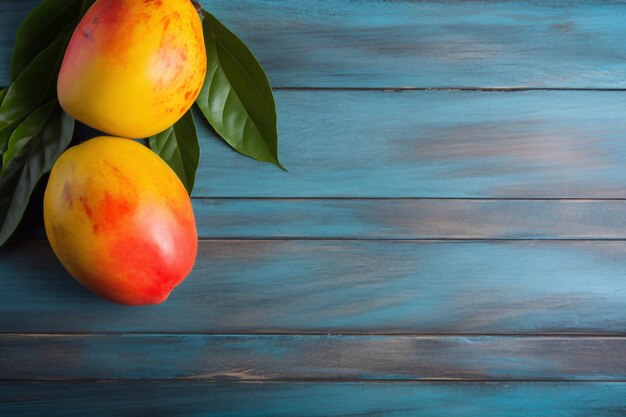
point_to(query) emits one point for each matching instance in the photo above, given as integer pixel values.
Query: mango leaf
(5, 132)
(178, 146)
(236, 97)
(34, 85)
(25, 169)
(42, 25)
(28, 129)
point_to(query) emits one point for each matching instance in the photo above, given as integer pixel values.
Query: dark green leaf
(28, 129)
(236, 97)
(6, 132)
(28, 165)
(178, 146)
(42, 25)
(34, 85)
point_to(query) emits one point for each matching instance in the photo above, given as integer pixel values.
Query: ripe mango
(120, 221)
(133, 67)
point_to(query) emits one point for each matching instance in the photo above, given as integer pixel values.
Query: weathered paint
(432, 144)
(342, 286)
(259, 218)
(372, 144)
(313, 357)
(227, 399)
(556, 43)
(409, 219)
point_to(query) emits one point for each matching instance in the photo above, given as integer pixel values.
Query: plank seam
(377, 239)
(314, 380)
(416, 335)
(447, 88)
(427, 198)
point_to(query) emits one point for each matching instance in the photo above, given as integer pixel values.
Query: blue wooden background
(450, 239)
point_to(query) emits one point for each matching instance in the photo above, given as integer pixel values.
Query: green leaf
(42, 25)
(26, 168)
(5, 135)
(178, 146)
(34, 85)
(5, 132)
(28, 129)
(236, 97)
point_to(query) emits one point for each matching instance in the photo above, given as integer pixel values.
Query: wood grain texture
(328, 43)
(432, 144)
(313, 357)
(411, 219)
(227, 399)
(408, 310)
(252, 218)
(342, 286)
(12, 15)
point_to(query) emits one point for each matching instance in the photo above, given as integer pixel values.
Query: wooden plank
(342, 286)
(312, 357)
(432, 144)
(13, 12)
(201, 399)
(557, 43)
(410, 219)
(243, 218)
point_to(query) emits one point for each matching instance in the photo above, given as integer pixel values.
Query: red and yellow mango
(133, 67)
(120, 221)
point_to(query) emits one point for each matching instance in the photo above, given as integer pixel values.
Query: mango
(120, 221)
(133, 67)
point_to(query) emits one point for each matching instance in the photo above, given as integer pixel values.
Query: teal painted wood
(225, 399)
(432, 144)
(245, 218)
(13, 12)
(426, 44)
(463, 144)
(301, 286)
(411, 219)
(314, 357)
(373, 144)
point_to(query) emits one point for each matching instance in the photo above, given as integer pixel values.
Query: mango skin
(133, 67)
(120, 221)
